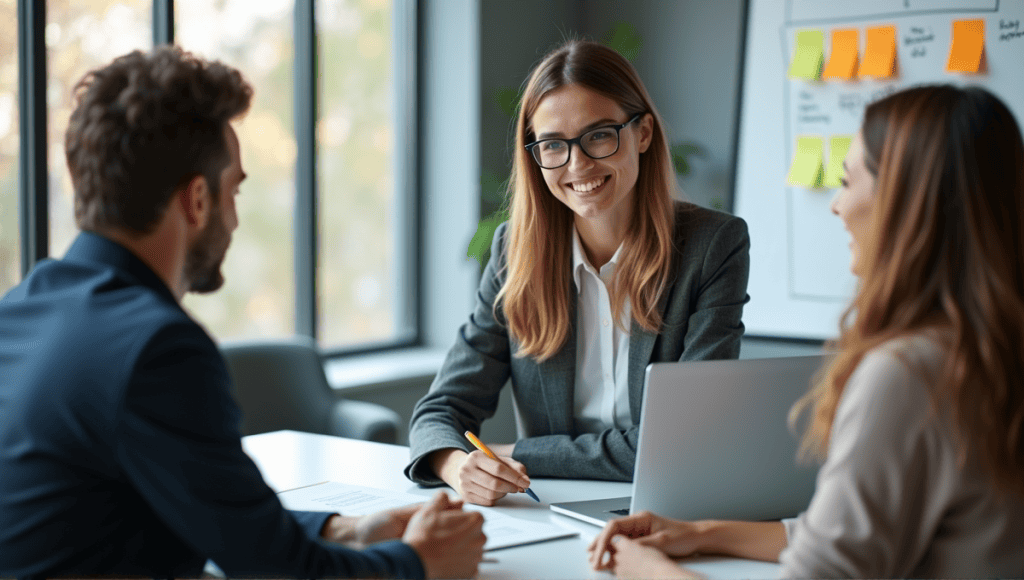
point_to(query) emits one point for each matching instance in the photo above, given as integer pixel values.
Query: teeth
(585, 187)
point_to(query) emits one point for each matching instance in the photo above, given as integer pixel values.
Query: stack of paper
(502, 530)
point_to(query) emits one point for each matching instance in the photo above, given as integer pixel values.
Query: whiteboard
(800, 280)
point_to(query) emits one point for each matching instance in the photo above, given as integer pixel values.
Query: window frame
(33, 187)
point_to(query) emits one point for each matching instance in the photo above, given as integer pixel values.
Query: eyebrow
(594, 125)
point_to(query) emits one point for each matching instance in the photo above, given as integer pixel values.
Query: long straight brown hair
(535, 295)
(946, 257)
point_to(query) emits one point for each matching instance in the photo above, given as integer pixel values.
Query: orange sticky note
(842, 61)
(880, 53)
(967, 46)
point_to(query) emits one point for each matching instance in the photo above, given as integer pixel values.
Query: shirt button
(605, 322)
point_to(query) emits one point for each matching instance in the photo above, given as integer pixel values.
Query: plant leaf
(681, 153)
(625, 40)
(507, 100)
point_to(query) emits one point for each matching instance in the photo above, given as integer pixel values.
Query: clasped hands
(449, 541)
(642, 545)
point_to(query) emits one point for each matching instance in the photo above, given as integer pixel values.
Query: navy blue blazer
(119, 445)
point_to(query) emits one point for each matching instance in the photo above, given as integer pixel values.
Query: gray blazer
(701, 309)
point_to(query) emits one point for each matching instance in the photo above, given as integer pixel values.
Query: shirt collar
(92, 247)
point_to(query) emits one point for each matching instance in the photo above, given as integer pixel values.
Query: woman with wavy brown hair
(920, 417)
(597, 274)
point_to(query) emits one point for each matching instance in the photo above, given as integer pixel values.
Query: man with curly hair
(119, 445)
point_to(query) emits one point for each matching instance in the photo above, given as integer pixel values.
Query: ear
(196, 202)
(646, 131)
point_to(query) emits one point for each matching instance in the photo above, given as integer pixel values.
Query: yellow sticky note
(808, 55)
(967, 46)
(842, 61)
(806, 167)
(838, 146)
(880, 53)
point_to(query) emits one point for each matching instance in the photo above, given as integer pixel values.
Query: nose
(834, 206)
(577, 158)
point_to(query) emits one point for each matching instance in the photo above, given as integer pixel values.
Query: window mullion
(163, 22)
(34, 207)
(305, 169)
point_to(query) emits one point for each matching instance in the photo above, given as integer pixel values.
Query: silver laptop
(715, 443)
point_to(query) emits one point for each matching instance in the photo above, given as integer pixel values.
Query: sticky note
(808, 55)
(806, 167)
(880, 53)
(838, 146)
(967, 46)
(842, 61)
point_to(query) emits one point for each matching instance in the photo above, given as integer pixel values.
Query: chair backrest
(280, 384)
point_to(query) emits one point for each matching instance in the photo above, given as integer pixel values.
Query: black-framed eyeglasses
(596, 143)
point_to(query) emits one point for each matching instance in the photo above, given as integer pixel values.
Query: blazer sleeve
(715, 322)
(179, 447)
(465, 391)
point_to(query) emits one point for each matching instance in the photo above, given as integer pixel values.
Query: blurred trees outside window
(255, 36)
(358, 265)
(362, 286)
(80, 36)
(10, 252)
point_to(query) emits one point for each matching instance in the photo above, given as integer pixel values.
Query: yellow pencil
(480, 445)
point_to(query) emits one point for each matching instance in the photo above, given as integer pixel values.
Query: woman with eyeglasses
(597, 274)
(920, 418)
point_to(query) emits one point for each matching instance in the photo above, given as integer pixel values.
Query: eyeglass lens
(599, 143)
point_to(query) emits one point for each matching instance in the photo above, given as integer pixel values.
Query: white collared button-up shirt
(601, 397)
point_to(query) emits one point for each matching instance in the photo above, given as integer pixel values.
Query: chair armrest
(366, 421)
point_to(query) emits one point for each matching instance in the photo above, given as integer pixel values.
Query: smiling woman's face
(591, 188)
(854, 201)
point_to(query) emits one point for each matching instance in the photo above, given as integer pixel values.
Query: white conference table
(290, 459)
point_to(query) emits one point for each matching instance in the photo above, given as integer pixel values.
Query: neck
(163, 250)
(600, 238)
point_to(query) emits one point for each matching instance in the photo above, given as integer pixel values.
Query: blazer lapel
(558, 377)
(641, 344)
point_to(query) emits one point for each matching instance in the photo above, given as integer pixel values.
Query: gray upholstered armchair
(281, 384)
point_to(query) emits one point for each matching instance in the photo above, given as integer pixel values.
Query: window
(330, 136)
(10, 253)
(258, 296)
(81, 36)
(364, 229)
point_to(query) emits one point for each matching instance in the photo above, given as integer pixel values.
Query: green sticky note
(837, 148)
(806, 167)
(808, 56)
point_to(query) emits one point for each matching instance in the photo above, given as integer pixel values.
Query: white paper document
(502, 530)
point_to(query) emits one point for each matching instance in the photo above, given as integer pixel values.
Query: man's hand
(449, 541)
(477, 478)
(359, 532)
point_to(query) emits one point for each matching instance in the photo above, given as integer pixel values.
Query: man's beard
(204, 258)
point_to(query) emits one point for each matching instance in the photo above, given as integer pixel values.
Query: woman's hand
(631, 559)
(673, 537)
(479, 479)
